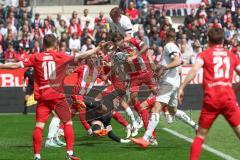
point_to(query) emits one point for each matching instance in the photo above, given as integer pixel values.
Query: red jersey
(86, 79)
(218, 67)
(50, 72)
(132, 13)
(135, 63)
(21, 56)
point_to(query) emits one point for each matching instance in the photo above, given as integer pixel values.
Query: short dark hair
(49, 41)
(115, 11)
(216, 35)
(171, 34)
(115, 37)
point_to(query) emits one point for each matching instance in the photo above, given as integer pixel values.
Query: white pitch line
(206, 147)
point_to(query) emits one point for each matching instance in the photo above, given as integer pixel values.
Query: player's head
(118, 39)
(91, 61)
(115, 14)
(171, 35)
(215, 36)
(50, 42)
(98, 128)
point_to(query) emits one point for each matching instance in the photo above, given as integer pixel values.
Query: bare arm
(190, 76)
(176, 61)
(87, 53)
(11, 65)
(144, 49)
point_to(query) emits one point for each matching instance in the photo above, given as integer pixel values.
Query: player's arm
(151, 61)
(11, 65)
(90, 52)
(190, 76)
(176, 61)
(144, 49)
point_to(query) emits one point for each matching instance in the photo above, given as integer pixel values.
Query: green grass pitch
(16, 142)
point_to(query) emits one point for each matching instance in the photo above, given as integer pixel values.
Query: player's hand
(180, 95)
(125, 141)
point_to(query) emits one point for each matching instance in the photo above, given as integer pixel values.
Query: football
(120, 57)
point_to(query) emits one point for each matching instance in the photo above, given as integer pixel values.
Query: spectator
(3, 30)
(47, 28)
(189, 18)
(10, 54)
(143, 13)
(88, 45)
(75, 16)
(58, 20)
(36, 47)
(236, 18)
(196, 50)
(37, 22)
(62, 27)
(132, 13)
(215, 24)
(87, 19)
(163, 31)
(233, 5)
(63, 48)
(219, 9)
(74, 42)
(22, 54)
(10, 41)
(74, 27)
(100, 18)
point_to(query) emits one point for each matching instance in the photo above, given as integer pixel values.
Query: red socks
(82, 117)
(69, 136)
(196, 148)
(37, 140)
(118, 117)
(137, 106)
(145, 117)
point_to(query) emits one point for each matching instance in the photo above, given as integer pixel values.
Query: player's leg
(206, 119)
(82, 118)
(63, 111)
(53, 135)
(232, 113)
(153, 122)
(119, 118)
(42, 115)
(173, 103)
(79, 106)
(25, 104)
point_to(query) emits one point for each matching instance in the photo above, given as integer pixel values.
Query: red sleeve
(136, 42)
(66, 58)
(29, 62)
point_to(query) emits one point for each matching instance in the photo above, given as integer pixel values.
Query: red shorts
(230, 110)
(136, 81)
(45, 108)
(117, 85)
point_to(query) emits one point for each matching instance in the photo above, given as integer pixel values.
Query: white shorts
(168, 94)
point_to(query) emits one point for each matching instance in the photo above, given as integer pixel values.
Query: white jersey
(124, 26)
(172, 75)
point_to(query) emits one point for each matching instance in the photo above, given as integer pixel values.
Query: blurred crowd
(21, 32)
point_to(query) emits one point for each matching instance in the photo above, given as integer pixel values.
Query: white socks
(53, 127)
(185, 118)
(153, 122)
(130, 114)
(70, 153)
(37, 156)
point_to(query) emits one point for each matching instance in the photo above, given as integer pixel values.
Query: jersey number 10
(49, 69)
(219, 71)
